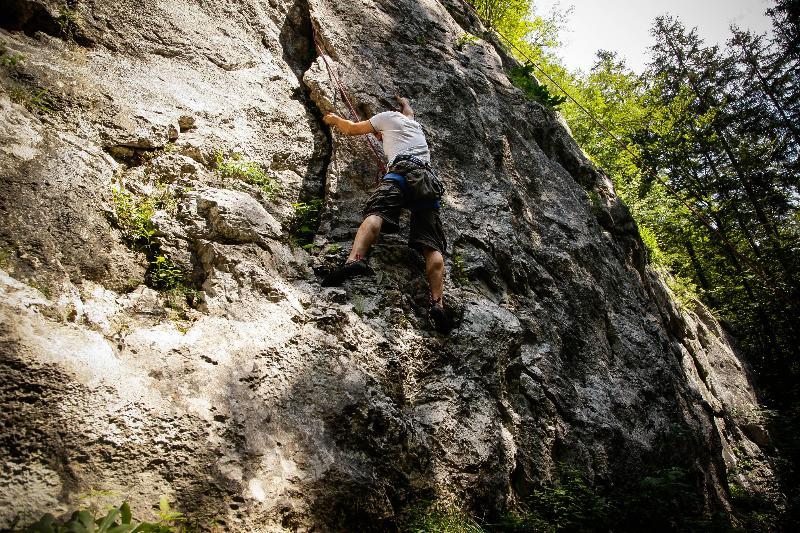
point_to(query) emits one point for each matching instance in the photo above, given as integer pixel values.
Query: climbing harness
(418, 180)
(322, 51)
(754, 267)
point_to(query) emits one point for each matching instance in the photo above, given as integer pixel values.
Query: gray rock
(236, 216)
(280, 405)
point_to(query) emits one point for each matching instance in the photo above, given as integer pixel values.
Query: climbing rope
(749, 263)
(322, 51)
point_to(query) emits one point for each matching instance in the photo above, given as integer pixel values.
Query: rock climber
(410, 184)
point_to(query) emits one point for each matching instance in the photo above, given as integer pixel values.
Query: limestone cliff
(264, 401)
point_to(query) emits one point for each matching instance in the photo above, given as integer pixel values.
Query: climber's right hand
(331, 119)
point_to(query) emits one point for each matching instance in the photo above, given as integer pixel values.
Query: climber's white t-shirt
(401, 135)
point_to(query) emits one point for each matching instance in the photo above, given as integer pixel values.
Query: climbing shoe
(438, 316)
(347, 271)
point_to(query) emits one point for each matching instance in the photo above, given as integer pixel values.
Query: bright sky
(624, 25)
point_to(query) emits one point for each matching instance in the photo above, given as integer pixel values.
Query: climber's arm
(348, 127)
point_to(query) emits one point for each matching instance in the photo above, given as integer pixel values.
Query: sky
(624, 25)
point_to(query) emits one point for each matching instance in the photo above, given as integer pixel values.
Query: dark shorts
(426, 227)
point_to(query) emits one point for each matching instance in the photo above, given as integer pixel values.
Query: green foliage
(569, 504)
(6, 59)
(164, 275)
(464, 40)
(68, 23)
(37, 100)
(421, 40)
(428, 517)
(134, 218)
(664, 500)
(522, 77)
(116, 520)
(459, 273)
(305, 220)
(236, 167)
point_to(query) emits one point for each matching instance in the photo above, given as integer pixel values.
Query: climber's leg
(382, 213)
(367, 234)
(434, 272)
(427, 237)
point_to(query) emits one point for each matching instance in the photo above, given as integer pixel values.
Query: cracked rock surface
(270, 403)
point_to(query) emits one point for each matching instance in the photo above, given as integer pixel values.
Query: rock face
(273, 404)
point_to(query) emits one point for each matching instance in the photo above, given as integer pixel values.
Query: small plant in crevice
(523, 78)
(37, 100)
(7, 59)
(465, 39)
(115, 520)
(134, 217)
(438, 517)
(459, 272)
(236, 167)
(304, 222)
(68, 23)
(164, 275)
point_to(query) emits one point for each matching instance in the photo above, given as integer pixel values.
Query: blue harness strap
(400, 180)
(413, 206)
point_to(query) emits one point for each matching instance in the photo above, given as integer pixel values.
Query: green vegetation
(68, 23)
(572, 503)
(6, 59)
(305, 220)
(33, 98)
(37, 100)
(134, 218)
(522, 77)
(430, 517)
(459, 271)
(164, 274)
(465, 39)
(116, 520)
(238, 168)
(663, 501)
(133, 215)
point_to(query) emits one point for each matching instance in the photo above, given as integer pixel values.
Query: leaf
(163, 504)
(125, 512)
(124, 528)
(107, 521)
(85, 519)
(44, 525)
